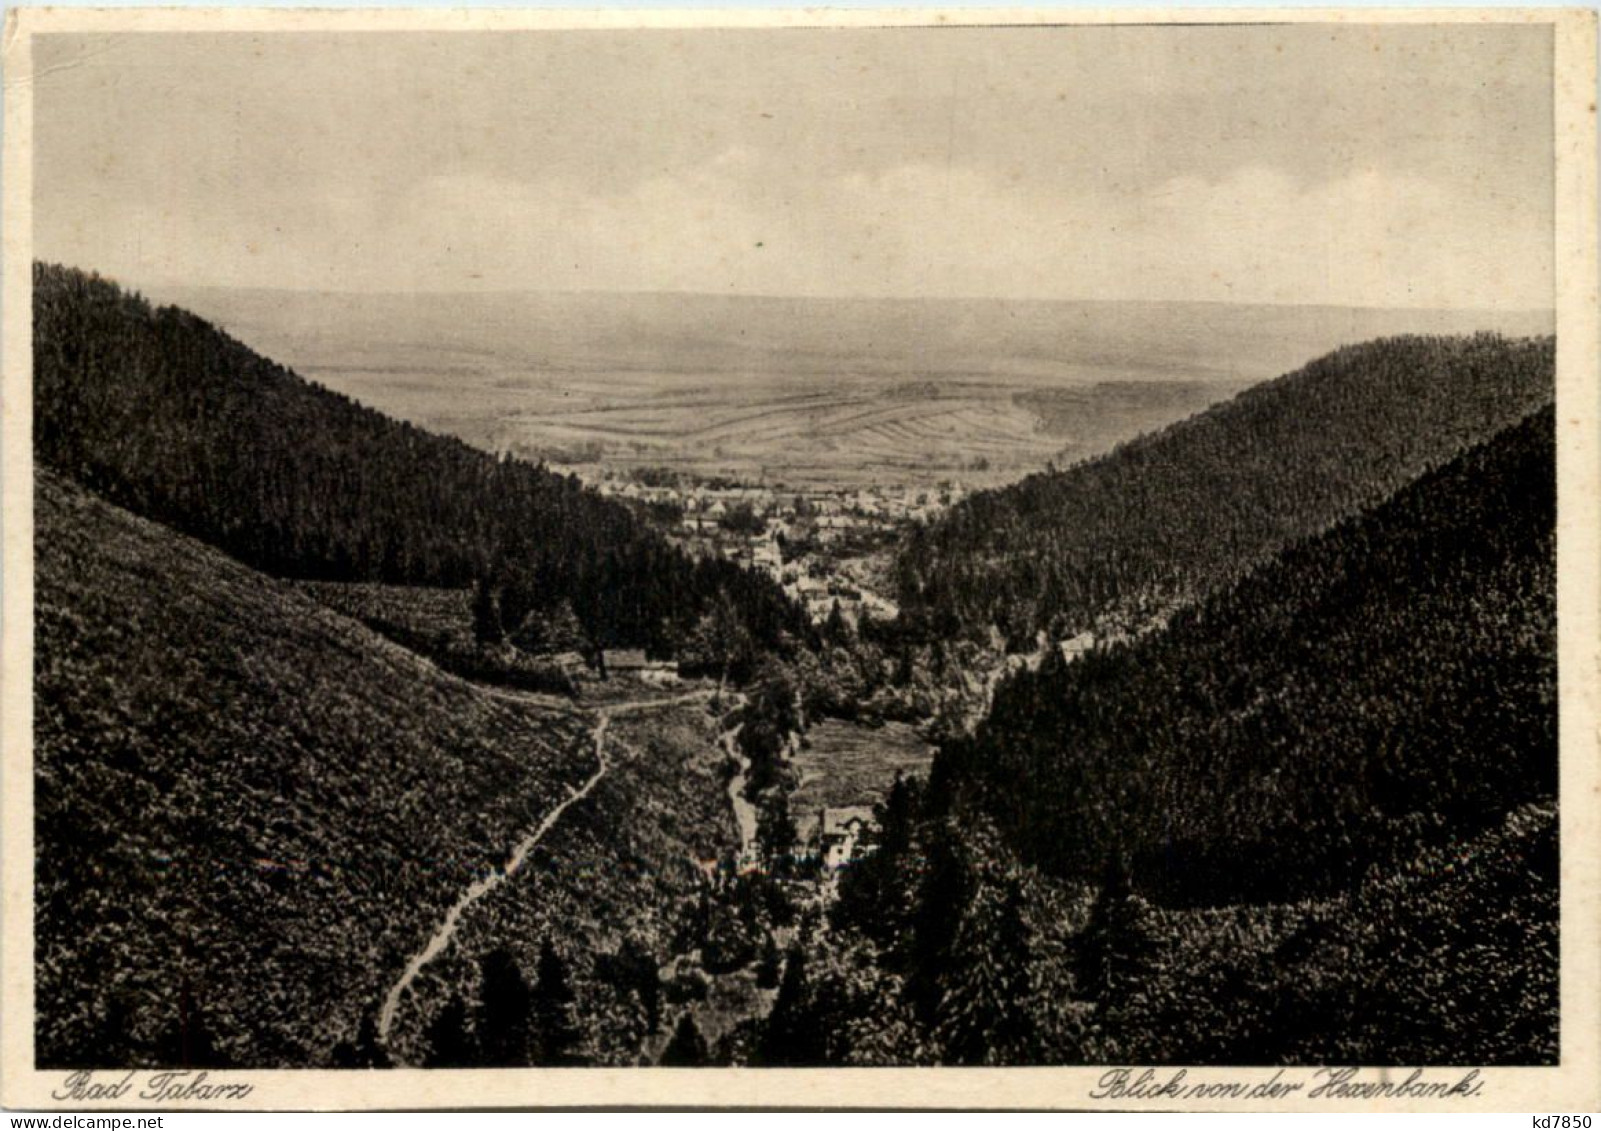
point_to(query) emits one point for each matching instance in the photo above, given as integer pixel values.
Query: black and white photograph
(827, 543)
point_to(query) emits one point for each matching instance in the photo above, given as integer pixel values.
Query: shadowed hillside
(1388, 683)
(1167, 517)
(249, 809)
(158, 411)
(1311, 821)
(264, 805)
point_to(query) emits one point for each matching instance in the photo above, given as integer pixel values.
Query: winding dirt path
(744, 811)
(446, 931)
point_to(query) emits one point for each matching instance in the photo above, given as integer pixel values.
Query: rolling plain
(837, 392)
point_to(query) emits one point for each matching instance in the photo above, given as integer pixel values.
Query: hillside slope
(1389, 683)
(163, 414)
(1107, 544)
(1475, 921)
(249, 810)
(1448, 957)
(1312, 820)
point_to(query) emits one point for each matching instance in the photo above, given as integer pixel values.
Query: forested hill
(229, 777)
(162, 413)
(1167, 517)
(1386, 685)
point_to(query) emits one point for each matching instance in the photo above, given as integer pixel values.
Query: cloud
(1367, 238)
(1363, 164)
(741, 223)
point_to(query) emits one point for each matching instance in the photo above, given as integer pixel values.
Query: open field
(847, 764)
(839, 391)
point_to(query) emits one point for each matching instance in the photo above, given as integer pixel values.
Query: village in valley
(827, 546)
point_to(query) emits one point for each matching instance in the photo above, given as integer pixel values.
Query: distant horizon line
(766, 297)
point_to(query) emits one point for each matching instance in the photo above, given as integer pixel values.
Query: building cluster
(801, 538)
(841, 836)
(831, 509)
(842, 833)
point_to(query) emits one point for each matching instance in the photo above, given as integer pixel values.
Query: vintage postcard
(827, 559)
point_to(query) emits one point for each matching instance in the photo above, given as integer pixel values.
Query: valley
(765, 727)
(562, 560)
(796, 391)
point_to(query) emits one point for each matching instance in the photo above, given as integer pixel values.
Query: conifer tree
(770, 965)
(836, 628)
(687, 1049)
(634, 969)
(487, 628)
(110, 1046)
(553, 1009)
(775, 831)
(877, 894)
(986, 1011)
(365, 1051)
(1114, 949)
(505, 1012)
(793, 1035)
(190, 1042)
(941, 899)
(450, 1042)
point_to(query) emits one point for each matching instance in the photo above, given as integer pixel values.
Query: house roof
(1078, 645)
(838, 821)
(626, 658)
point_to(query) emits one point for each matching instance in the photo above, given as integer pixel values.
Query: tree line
(1311, 819)
(166, 415)
(1384, 685)
(1122, 539)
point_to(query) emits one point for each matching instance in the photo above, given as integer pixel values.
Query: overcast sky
(1377, 166)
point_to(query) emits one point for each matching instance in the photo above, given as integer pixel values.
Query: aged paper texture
(1038, 558)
